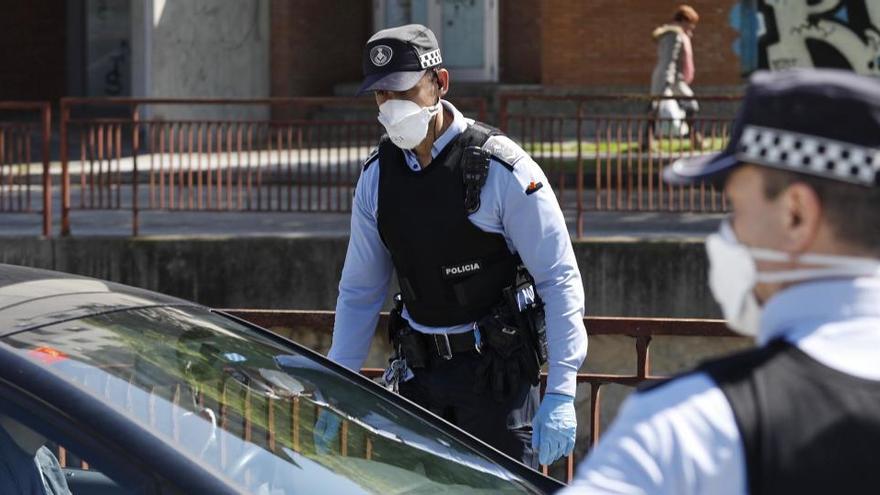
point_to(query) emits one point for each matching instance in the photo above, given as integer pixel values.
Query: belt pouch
(413, 346)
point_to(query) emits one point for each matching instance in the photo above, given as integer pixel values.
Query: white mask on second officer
(406, 122)
(733, 275)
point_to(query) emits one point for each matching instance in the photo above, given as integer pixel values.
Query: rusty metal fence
(600, 152)
(641, 330)
(25, 178)
(274, 423)
(607, 152)
(276, 154)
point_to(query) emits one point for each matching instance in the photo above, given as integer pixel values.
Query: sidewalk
(327, 159)
(607, 225)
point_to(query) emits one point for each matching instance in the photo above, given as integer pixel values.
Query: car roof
(32, 297)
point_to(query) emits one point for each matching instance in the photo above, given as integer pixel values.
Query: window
(32, 458)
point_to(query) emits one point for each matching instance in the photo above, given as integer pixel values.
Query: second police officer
(797, 266)
(482, 253)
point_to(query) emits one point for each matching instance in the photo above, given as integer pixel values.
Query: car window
(247, 405)
(33, 460)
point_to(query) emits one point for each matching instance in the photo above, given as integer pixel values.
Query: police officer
(797, 266)
(480, 246)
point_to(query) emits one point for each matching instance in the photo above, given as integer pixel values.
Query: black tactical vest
(806, 428)
(450, 272)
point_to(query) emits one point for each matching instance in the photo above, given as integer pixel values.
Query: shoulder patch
(533, 187)
(504, 150)
(373, 156)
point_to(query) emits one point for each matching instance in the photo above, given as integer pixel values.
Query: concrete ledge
(622, 277)
(632, 277)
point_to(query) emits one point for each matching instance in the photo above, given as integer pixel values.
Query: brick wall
(316, 44)
(608, 42)
(32, 35)
(519, 41)
(341, 27)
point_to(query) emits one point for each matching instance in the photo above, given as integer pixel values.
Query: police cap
(821, 122)
(396, 58)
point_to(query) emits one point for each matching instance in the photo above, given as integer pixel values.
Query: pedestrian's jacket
(671, 75)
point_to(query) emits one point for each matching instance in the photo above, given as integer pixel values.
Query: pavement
(118, 223)
(106, 211)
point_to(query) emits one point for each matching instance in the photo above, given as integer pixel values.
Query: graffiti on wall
(779, 34)
(108, 48)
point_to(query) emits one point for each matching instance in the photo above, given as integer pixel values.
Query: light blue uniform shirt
(682, 438)
(532, 225)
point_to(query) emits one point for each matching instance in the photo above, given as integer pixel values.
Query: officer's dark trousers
(446, 388)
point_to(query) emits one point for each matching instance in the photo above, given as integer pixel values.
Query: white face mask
(733, 275)
(406, 122)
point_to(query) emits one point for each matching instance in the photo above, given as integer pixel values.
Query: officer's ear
(442, 79)
(803, 219)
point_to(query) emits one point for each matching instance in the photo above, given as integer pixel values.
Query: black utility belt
(440, 345)
(508, 329)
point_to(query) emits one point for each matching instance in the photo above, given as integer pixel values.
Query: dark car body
(155, 394)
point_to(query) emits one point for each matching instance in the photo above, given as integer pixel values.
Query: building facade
(261, 48)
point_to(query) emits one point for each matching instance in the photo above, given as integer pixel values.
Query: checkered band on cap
(430, 59)
(810, 154)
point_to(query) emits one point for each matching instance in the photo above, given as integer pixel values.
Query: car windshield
(246, 405)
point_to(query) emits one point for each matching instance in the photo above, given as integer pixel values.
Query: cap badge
(380, 55)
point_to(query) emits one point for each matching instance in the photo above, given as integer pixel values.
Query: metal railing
(273, 424)
(641, 330)
(600, 152)
(607, 152)
(25, 178)
(274, 154)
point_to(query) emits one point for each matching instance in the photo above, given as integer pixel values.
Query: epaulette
(503, 151)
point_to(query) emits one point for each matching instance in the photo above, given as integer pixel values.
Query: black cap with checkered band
(820, 122)
(396, 58)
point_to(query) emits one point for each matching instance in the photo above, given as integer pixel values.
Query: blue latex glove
(326, 430)
(554, 428)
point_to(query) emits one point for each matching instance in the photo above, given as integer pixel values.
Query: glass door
(467, 31)
(399, 12)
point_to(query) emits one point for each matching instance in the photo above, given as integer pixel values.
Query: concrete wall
(621, 278)
(275, 273)
(209, 48)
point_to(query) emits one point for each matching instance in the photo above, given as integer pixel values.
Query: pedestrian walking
(672, 76)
